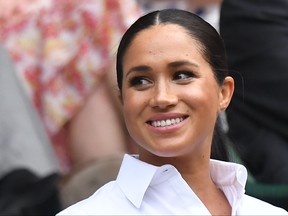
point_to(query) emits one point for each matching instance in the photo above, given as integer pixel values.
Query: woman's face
(170, 96)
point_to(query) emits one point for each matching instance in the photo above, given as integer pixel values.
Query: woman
(171, 70)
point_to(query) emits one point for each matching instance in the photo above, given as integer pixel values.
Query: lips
(164, 122)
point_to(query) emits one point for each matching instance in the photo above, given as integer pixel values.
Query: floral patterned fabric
(60, 49)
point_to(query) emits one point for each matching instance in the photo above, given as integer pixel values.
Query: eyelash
(187, 75)
(138, 81)
(141, 81)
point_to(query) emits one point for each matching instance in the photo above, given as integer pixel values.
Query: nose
(163, 97)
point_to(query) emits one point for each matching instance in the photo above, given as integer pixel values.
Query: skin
(165, 76)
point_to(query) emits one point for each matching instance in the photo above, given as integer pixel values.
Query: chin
(168, 153)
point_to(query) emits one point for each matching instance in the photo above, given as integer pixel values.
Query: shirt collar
(228, 174)
(135, 176)
(231, 179)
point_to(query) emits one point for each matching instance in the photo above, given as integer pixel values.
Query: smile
(166, 122)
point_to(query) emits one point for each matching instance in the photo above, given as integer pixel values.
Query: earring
(222, 109)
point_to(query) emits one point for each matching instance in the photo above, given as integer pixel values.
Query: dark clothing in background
(24, 193)
(256, 37)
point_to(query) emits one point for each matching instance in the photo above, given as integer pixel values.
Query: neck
(211, 196)
(195, 170)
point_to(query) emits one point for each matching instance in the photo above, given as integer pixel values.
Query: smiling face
(170, 97)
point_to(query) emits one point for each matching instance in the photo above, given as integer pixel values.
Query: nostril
(164, 102)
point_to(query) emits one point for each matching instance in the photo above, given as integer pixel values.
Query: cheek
(203, 99)
(128, 115)
(133, 105)
(134, 116)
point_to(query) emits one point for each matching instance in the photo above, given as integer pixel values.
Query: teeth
(166, 122)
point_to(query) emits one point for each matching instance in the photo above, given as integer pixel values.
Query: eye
(139, 82)
(183, 76)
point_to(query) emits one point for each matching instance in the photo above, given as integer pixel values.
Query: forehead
(164, 33)
(169, 39)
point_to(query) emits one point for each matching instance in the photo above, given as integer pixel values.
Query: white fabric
(23, 139)
(141, 188)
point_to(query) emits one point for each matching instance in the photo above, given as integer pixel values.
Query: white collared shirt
(142, 188)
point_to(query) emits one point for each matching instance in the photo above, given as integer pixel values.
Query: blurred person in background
(63, 52)
(256, 38)
(29, 172)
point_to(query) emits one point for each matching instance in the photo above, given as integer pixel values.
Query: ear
(226, 93)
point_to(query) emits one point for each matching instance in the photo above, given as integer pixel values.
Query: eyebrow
(140, 68)
(175, 64)
(181, 63)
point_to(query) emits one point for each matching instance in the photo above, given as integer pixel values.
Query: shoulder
(254, 206)
(98, 203)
